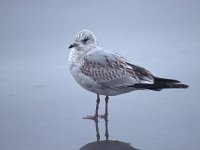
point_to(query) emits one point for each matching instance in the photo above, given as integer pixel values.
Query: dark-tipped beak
(73, 45)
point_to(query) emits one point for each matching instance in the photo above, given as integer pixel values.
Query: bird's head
(83, 39)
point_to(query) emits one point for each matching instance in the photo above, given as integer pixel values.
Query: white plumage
(109, 74)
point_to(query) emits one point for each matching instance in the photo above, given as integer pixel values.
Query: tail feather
(161, 83)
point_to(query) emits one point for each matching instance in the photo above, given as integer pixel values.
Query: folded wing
(114, 71)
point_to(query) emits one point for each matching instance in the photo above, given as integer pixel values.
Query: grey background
(41, 105)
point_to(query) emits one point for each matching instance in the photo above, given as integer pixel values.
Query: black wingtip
(165, 80)
(160, 86)
(183, 85)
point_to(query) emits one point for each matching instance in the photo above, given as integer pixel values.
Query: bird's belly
(95, 87)
(92, 86)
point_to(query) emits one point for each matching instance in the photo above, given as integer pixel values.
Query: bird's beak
(73, 45)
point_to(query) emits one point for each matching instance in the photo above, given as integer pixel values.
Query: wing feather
(112, 70)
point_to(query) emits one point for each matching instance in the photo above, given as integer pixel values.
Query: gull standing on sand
(109, 74)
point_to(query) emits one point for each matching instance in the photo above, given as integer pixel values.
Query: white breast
(86, 82)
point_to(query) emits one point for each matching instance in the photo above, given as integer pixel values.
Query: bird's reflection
(106, 144)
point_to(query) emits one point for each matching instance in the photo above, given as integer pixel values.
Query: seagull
(109, 74)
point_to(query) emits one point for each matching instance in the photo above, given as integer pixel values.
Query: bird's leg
(106, 109)
(106, 129)
(105, 116)
(97, 129)
(97, 106)
(95, 117)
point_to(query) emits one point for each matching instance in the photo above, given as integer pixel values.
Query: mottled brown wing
(103, 68)
(113, 70)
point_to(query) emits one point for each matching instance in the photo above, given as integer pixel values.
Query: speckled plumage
(106, 73)
(102, 72)
(109, 74)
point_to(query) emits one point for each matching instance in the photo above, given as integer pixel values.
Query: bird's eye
(85, 40)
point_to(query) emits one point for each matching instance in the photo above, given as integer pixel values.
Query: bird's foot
(105, 116)
(95, 117)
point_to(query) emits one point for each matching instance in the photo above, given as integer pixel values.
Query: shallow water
(41, 105)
